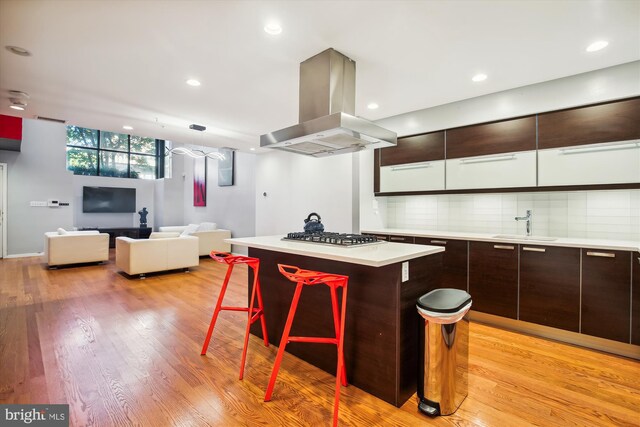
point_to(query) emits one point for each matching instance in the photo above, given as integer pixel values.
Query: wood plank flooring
(124, 351)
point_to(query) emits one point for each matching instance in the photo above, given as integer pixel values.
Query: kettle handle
(310, 215)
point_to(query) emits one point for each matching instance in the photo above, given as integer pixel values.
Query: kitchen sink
(520, 237)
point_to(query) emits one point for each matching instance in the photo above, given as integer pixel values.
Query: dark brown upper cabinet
(606, 294)
(550, 286)
(376, 170)
(614, 121)
(492, 138)
(413, 149)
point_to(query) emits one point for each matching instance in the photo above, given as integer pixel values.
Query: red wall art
(200, 181)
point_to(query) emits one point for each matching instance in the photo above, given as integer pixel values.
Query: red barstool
(334, 281)
(253, 313)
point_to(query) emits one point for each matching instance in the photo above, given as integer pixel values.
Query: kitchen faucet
(528, 219)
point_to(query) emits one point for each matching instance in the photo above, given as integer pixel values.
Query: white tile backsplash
(610, 214)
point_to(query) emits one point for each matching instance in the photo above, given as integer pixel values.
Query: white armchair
(210, 240)
(75, 247)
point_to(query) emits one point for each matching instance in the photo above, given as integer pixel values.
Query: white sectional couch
(209, 237)
(74, 247)
(140, 256)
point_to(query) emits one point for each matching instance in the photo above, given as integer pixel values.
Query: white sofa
(75, 247)
(140, 256)
(207, 240)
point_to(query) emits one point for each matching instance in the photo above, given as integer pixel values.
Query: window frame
(158, 155)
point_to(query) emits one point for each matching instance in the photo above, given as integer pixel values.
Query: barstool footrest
(245, 309)
(317, 340)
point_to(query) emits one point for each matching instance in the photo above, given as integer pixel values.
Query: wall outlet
(405, 271)
(37, 203)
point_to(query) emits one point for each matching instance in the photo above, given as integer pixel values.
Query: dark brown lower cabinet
(635, 303)
(606, 294)
(454, 261)
(550, 286)
(493, 278)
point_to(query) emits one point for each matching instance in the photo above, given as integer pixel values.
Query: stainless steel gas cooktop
(338, 239)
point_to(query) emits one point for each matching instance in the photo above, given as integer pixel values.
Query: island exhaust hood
(326, 112)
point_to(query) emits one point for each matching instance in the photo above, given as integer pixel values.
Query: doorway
(3, 210)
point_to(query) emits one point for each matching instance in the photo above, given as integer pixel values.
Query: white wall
(296, 185)
(610, 214)
(37, 173)
(373, 210)
(144, 198)
(233, 207)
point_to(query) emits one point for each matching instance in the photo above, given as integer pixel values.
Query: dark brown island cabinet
(550, 286)
(381, 334)
(635, 315)
(454, 260)
(606, 294)
(493, 278)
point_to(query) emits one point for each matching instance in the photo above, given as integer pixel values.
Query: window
(101, 153)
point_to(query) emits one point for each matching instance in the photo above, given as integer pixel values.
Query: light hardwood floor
(125, 351)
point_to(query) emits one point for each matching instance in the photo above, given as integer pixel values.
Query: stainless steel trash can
(444, 351)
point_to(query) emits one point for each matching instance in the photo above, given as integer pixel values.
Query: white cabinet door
(611, 163)
(427, 176)
(493, 171)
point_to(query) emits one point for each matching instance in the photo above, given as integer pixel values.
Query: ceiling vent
(50, 119)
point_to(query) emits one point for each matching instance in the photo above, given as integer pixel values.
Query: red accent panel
(10, 127)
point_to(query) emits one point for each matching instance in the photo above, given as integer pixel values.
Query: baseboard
(601, 344)
(25, 255)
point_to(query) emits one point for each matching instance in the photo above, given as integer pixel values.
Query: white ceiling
(108, 63)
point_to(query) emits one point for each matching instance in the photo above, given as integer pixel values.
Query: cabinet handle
(601, 254)
(488, 159)
(442, 242)
(411, 166)
(603, 147)
(503, 247)
(528, 249)
(398, 239)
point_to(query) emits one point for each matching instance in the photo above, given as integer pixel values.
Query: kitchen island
(381, 334)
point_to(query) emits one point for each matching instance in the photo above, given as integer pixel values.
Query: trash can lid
(444, 300)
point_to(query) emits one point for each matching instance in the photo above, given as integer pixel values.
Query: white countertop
(374, 255)
(619, 245)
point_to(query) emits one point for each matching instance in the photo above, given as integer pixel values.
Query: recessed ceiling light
(479, 77)
(273, 28)
(252, 149)
(372, 106)
(17, 104)
(18, 50)
(127, 127)
(193, 82)
(595, 46)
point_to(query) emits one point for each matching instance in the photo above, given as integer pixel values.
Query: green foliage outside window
(93, 152)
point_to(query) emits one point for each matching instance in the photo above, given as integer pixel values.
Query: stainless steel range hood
(326, 112)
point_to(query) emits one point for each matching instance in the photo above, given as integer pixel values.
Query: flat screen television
(108, 199)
